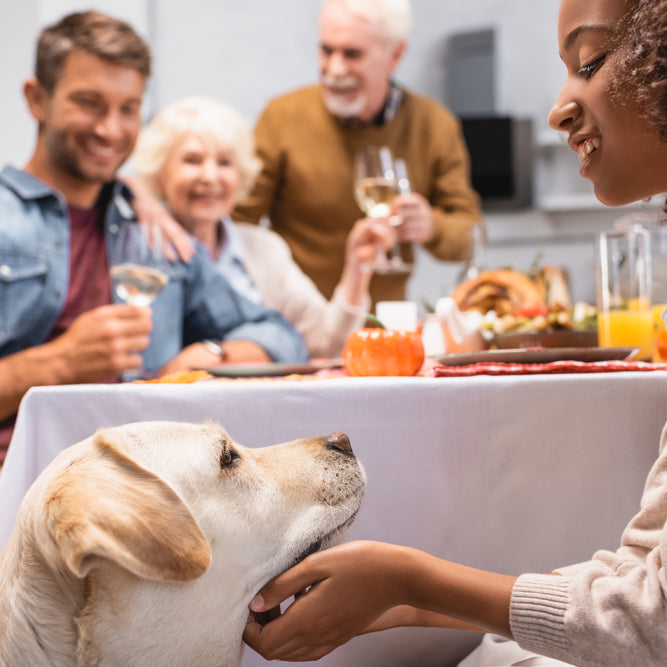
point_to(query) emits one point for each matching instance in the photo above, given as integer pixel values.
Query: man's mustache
(340, 82)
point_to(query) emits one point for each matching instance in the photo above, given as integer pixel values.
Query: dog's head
(174, 527)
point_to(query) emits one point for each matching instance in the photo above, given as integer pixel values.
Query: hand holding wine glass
(376, 185)
(139, 268)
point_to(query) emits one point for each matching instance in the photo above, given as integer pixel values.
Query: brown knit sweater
(306, 185)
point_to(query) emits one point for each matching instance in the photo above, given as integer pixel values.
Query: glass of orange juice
(623, 277)
(654, 221)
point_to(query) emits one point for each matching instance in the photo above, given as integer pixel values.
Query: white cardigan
(324, 325)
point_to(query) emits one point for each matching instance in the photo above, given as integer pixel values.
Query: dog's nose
(338, 441)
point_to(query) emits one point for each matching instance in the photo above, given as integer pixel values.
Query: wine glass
(139, 270)
(395, 263)
(376, 183)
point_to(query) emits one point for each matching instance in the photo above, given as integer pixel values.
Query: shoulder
(23, 185)
(294, 99)
(427, 108)
(260, 240)
(23, 195)
(292, 111)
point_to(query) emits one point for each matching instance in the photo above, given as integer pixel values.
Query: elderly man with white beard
(307, 140)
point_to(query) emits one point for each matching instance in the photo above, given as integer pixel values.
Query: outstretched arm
(351, 586)
(97, 346)
(367, 237)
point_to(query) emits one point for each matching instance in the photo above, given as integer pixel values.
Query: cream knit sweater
(611, 610)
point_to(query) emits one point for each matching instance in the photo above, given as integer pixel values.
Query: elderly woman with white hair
(197, 156)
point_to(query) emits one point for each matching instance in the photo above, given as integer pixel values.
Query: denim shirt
(197, 302)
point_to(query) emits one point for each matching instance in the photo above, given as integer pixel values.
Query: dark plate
(554, 338)
(270, 369)
(541, 355)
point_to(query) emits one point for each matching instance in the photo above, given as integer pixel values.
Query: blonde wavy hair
(394, 15)
(205, 117)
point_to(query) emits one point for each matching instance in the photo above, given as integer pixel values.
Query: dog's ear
(106, 506)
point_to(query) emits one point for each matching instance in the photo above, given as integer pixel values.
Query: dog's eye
(228, 456)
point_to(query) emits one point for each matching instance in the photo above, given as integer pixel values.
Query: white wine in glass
(375, 183)
(139, 270)
(136, 284)
(375, 195)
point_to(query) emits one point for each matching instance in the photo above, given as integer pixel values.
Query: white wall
(246, 51)
(17, 36)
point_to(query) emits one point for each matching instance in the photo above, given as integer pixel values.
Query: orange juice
(627, 328)
(658, 328)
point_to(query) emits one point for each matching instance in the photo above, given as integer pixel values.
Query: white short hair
(208, 118)
(394, 15)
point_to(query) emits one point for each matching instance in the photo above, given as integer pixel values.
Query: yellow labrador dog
(144, 544)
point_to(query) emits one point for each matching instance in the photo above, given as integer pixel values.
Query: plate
(539, 355)
(549, 338)
(270, 369)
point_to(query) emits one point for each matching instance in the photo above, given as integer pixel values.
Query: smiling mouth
(586, 147)
(99, 152)
(206, 198)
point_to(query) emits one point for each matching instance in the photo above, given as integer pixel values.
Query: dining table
(509, 473)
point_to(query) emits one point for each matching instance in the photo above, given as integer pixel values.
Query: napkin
(500, 368)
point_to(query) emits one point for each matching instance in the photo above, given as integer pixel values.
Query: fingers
(179, 240)
(277, 641)
(418, 224)
(284, 586)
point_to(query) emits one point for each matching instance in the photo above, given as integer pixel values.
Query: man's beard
(66, 159)
(336, 103)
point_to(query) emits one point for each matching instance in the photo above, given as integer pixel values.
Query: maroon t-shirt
(89, 283)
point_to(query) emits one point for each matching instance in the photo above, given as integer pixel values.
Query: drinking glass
(376, 183)
(139, 270)
(623, 277)
(395, 263)
(655, 223)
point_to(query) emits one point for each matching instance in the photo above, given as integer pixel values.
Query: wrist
(216, 347)
(355, 283)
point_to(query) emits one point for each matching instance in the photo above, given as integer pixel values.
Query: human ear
(36, 97)
(398, 51)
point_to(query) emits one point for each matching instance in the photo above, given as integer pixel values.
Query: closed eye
(588, 70)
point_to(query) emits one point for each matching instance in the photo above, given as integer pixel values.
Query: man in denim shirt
(59, 220)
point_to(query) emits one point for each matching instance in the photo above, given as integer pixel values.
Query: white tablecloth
(512, 474)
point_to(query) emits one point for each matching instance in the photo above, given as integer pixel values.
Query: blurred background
(493, 62)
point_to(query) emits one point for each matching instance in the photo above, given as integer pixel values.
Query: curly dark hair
(643, 61)
(101, 35)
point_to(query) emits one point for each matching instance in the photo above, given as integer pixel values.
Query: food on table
(375, 351)
(182, 377)
(502, 291)
(513, 301)
(552, 282)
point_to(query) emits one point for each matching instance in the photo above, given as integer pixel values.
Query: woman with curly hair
(612, 609)
(643, 62)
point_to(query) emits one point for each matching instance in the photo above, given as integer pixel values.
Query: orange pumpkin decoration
(383, 352)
